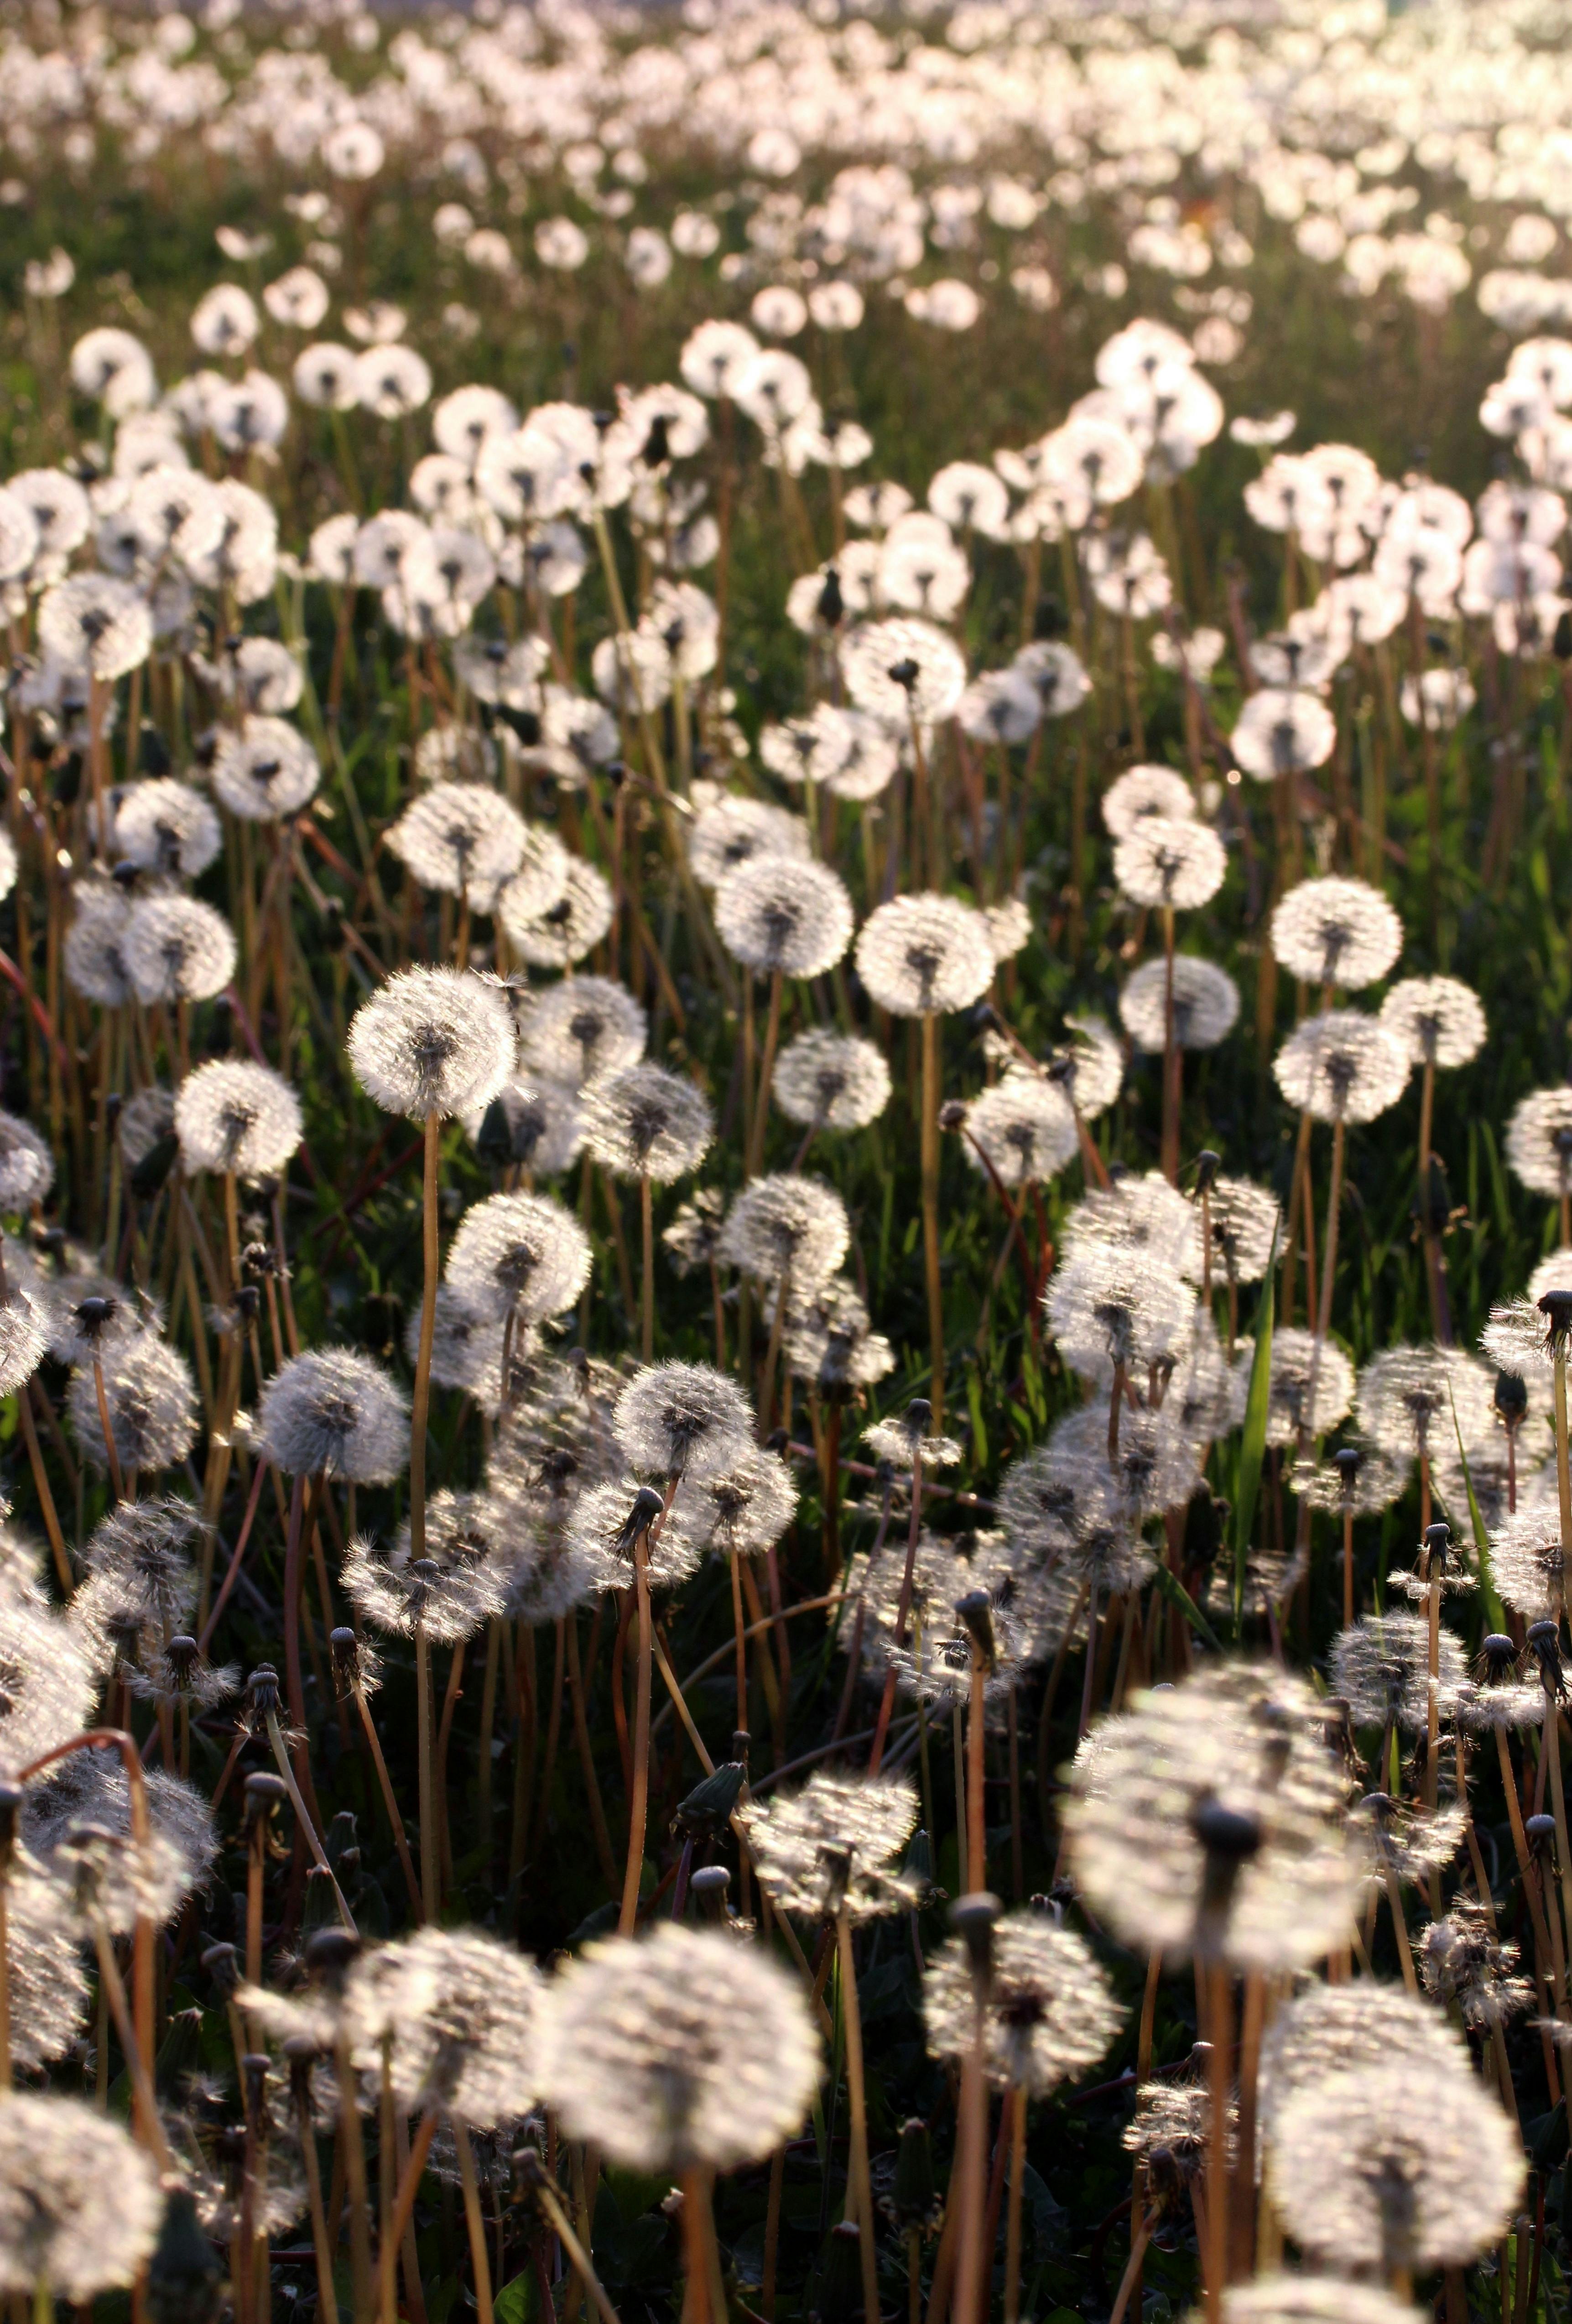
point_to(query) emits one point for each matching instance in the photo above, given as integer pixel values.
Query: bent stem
(860, 2188)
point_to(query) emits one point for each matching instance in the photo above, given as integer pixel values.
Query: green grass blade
(1174, 1590)
(1253, 1445)
(1493, 1605)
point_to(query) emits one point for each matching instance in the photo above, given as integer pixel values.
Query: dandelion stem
(428, 1891)
(859, 2188)
(1220, 2034)
(639, 1804)
(401, 1838)
(930, 1162)
(422, 1396)
(474, 2220)
(1016, 2107)
(647, 1289)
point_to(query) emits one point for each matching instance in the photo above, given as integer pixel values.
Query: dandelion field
(785, 1150)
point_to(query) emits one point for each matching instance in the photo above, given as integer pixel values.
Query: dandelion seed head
(460, 2010)
(1341, 1066)
(1051, 2012)
(164, 826)
(264, 770)
(1528, 1560)
(1206, 1004)
(833, 1080)
(835, 1844)
(518, 1254)
(93, 948)
(586, 1029)
(334, 1413)
(1141, 792)
(1312, 1386)
(786, 1225)
(448, 1593)
(27, 1166)
(1242, 1218)
(783, 918)
(79, 2203)
(644, 1122)
(1338, 932)
(829, 1338)
(676, 1420)
(1108, 1307)
(77, 1826)
(1141, 1217)
(1395, 2167)
(153, 1412)
(731, 832)
(1026, 1129)
(1407, 1397)
(925, 955)
(1439, 1021)
(1538, 1143)
(1380, 1668)
(743, 1512)
(432, 1040)
(1211, 1825)
(677, 2051)
(1177, 863)
(232, 1115)
(564, 932)
(177, 948)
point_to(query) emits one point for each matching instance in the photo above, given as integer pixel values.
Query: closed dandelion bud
(974, 1917)
(222, 1963)
(330, 1955)
(264, 1792)
(837, 2297)
(262, 1695)
(976, 1612)
(185, 2279)
(706, 1812)
(915, 2187)
(1540, 1833)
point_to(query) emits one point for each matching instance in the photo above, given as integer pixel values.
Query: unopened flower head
(432, 1040)
(1209, 1823)
(779, 916)
(331, 1412)
(678, 2050)
(645, 1122)
(925, 955)
(833, 1080)
(786, 1226)
(1341, 1066)
(231, 1115)
(1051, 2012)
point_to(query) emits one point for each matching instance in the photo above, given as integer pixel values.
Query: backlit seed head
(432, 1040)
(676, 1419)
(1341, 1066)
(522, 1255)
(334, 1413)
(79, 2203)
(679, 2051)
(834, 1081)
(786, 1227)
(645, 1122)
(925, 955)
(232, 1115)
(1051, 2010)
(834, 1845)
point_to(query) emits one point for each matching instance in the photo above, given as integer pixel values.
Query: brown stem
(421, 1400)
